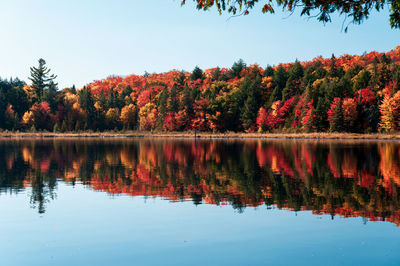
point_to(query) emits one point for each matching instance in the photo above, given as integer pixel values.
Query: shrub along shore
(201, 135)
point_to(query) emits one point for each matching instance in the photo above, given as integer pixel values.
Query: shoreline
(202, 135)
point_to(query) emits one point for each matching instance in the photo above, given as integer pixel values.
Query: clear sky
(85, 40)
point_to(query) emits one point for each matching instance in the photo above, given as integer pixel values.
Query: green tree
(251, 103)
(237, 67)
(87, 104)
(197, 74)
(280, 79)
(361, 81)
(293, 82)
(50, 96)
(41, 79)
(268, 71)
(336, 122)
(112, 99)
(173, 104)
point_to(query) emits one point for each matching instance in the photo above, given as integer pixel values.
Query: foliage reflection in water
(348, 179)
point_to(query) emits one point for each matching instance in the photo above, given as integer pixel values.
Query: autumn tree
(390, 113)
(112, 118)
(355, 10)
(350, 115)
(262, 119)
(128, 116)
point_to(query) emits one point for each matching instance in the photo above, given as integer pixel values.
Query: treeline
(344, 94)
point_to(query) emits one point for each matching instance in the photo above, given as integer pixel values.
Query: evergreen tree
(197, 74)
(252, 102)
(102, 101)
(162, 105)
(249, 111)
(41, 79)
(335, 71)
(279, 78)
(321, 114)
(73, 89)
(112, 99)
(268, 72)
(237, 67)
(294, 81)
(49, 95)
(187, 101)
(173, 100)
(87, 103)
(361, 80)
(336, 122)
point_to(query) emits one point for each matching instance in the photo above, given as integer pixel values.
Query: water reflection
(348, 179)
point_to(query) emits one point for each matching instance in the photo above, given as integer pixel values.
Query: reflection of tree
(347, 179)
(42, 190)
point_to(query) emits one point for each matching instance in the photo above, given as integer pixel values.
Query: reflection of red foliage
(167, 170)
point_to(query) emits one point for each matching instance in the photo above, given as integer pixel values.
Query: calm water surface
(181, 202)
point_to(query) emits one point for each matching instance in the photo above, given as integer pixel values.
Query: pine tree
(336, 120)
(237, 67)
(249, 114)
(87, 104)
(112, 99)
(49, 95)
(197, 74)
(280, 78)
(173, 100)
(162, 105)
(268, 72)
(41, 79)
(102, 101)
(293, 82)
(187, 101)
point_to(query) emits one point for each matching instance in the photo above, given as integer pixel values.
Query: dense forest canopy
(343, 94)
(357, 11)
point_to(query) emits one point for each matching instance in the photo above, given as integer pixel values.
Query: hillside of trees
(338, 94)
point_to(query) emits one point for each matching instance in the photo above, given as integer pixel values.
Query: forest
(359, 93)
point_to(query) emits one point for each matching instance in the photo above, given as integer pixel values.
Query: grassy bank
(201, 135)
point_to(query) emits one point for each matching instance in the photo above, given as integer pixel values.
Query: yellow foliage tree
(148, 116)
(112, 117)
(390, 113)
(28, 119)
(128, 115)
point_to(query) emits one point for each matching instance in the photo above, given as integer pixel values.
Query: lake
(204, 202)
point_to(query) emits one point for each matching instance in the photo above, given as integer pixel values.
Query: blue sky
(87, 40)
